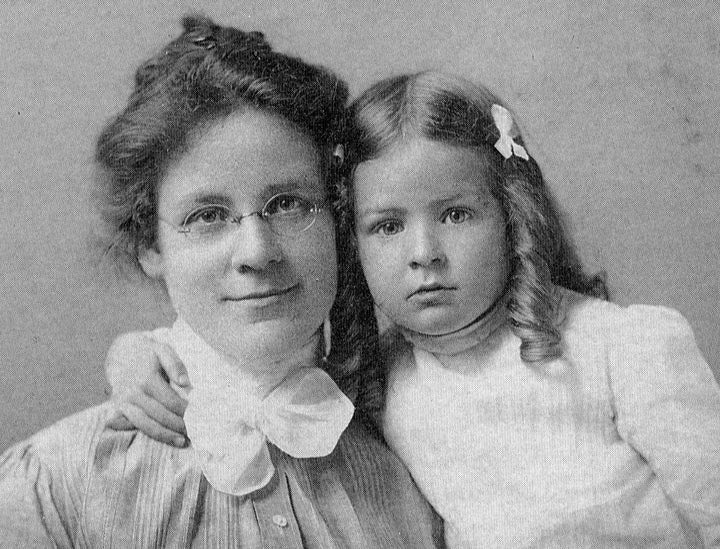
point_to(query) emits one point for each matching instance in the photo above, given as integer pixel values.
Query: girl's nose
(254, 245)
(427, 249)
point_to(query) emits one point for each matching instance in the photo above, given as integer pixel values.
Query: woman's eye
(287, 204)
(207, 215)
(456, 216)
(388, 228)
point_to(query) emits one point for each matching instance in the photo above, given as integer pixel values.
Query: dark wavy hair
(449, 109)
(205, 74)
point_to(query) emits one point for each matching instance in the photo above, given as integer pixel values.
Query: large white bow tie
(229, 419)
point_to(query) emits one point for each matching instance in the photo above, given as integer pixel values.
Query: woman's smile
(258, 293)
(266, 296)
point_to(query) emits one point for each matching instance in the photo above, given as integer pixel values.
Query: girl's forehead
(423, 169)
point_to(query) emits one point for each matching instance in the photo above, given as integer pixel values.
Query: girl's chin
(438, 325)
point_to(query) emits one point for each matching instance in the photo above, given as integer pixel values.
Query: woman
(219, 184)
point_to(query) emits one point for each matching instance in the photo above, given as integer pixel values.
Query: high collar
(453, 343)
(232, 414)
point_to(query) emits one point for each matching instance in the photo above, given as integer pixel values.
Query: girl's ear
(151, 261)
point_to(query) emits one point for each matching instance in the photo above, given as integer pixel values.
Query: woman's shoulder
(65, 442)
(43, 480)
(77, 448)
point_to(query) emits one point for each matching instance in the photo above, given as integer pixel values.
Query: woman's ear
(151, 261)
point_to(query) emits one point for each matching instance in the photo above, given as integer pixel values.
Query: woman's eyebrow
(201, 198)
(310, 184)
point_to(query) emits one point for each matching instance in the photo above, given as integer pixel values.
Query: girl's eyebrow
(457, 197)
(395, 210)
(378, 210)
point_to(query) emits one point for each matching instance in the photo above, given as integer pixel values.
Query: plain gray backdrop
(619, 102)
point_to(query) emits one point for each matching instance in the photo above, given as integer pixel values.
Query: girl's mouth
(430, 292)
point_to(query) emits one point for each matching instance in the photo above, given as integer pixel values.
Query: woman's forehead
(245, 156)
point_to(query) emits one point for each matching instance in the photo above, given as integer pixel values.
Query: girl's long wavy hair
(449, 109)
(205, 74)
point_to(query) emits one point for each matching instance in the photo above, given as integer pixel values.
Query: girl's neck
(478, 333)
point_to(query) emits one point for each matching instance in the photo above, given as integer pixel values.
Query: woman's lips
(268, 294)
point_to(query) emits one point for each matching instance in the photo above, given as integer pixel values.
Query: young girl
(529, 410)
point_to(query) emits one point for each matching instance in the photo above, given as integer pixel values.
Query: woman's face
(247, 291)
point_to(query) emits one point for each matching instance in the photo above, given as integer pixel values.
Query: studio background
(619, 102)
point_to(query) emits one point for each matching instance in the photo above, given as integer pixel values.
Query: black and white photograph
(359, 274)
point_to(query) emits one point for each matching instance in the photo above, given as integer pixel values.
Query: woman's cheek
(320, 260)
(189, 281)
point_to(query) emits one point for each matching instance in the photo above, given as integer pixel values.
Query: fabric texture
(232, 413)
(616, 444)
(78, 484)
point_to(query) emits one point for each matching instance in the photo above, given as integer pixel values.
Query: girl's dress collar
(465, 338)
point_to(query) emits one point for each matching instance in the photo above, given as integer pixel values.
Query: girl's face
(430, 234)
(249, 292)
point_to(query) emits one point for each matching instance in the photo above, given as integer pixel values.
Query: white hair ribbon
(506, 144)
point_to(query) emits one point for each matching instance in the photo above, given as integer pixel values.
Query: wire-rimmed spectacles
(286, 214)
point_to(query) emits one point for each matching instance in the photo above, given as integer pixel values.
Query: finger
(118, 422)
(171, 364)
(158, 389)
(158, 413)
(149, 426)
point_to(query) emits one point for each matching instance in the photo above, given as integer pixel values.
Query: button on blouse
(78, 484)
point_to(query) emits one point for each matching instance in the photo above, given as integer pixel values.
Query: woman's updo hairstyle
(449, 109)
(205, 74)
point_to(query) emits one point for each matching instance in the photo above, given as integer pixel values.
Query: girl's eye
(456, 216)
(388, 228)
(207, 215)
(284, 204)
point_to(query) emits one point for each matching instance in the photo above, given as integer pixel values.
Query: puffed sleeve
(667, 405)
(28, 517)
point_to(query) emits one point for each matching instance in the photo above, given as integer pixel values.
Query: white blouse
(616, 444)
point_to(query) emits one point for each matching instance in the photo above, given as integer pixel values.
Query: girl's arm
(139, 370)
(668, 407)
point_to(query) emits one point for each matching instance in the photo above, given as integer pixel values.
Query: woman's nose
(254, 245)
(427, 249)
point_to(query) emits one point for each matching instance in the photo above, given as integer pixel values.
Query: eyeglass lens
(286, 214)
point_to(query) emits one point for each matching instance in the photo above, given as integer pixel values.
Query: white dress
(616, 444)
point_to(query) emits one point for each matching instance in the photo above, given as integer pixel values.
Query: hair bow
(506, 145)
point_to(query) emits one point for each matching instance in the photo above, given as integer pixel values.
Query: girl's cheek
(373, 256)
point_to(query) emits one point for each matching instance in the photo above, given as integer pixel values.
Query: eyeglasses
(286, 214)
